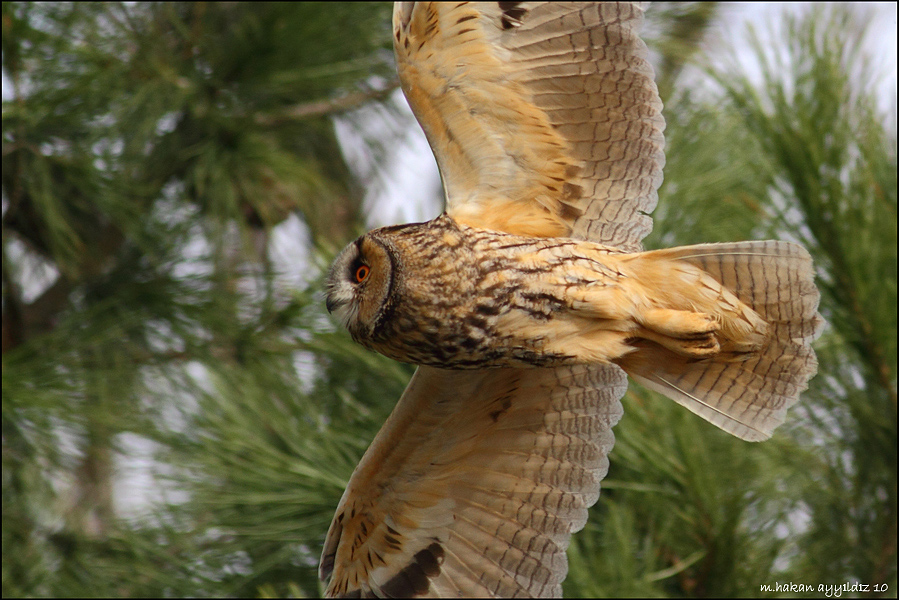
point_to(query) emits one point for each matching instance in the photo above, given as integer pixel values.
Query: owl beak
(332, 303)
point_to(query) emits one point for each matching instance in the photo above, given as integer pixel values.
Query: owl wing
(544, 117)
(475, 483)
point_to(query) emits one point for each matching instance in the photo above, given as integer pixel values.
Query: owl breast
(473, 298)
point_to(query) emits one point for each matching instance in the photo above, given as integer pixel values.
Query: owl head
(359, 285)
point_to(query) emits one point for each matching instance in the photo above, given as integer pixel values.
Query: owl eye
(362, 273)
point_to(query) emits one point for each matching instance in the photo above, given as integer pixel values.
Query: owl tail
(745, 393)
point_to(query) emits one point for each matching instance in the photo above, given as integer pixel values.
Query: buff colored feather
(524, 302)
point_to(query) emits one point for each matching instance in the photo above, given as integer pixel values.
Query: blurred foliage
(150, 151)
(179, 419)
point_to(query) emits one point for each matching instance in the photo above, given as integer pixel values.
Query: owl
(529, 301)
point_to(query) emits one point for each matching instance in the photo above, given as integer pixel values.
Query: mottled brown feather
(550, 126)
(547, 128)
(478, 478)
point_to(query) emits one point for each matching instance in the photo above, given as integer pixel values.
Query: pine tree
(150, 151)
(157, 156)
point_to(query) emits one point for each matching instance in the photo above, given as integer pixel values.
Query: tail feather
(746, 394)
(774, 278)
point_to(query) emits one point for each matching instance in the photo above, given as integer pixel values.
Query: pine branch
(322, 108)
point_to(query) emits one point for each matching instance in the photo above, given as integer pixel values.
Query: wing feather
(475, 483)
(545, 121)
(544, 117)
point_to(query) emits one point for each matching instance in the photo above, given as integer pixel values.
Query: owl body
(453, 296)
(528, 301)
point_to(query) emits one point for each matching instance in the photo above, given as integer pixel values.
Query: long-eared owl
(530, 298)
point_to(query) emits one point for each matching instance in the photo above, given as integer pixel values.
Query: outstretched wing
(545, 121)
(544, 117)
(475, 484)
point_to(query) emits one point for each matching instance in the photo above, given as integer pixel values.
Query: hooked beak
(332, 303)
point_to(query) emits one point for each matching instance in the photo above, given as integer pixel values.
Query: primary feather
(524, 301)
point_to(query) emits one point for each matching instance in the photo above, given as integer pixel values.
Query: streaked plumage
(524, 301)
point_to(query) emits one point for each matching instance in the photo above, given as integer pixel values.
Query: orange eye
(362, 273)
